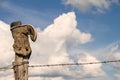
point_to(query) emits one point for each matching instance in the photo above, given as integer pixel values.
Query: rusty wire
(75, 64)
(64, 64)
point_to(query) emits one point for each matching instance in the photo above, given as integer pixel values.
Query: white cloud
(51, 48)
(34, 78)
(6, 51)
(5, 44)
(115, 67)
(88, 5)
(66, 29)
(111, 52)
(52, 44)
(114, 48)
(117, 76)
(94, 69)
(116, 56)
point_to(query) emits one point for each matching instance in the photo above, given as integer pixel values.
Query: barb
(74, 64)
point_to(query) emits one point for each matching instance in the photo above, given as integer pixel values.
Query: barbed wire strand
(66, 64)
(8, 67)
(71, 64)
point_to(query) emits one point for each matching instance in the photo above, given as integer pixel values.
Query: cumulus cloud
(116, 56)
(114, 48)
(6, 51)
(5, 44)
(115, 67)
(110, 52)
(117, 76)
(88, 5)
(51, 48)
(95, 69)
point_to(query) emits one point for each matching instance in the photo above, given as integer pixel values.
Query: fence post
(22, 48)
(20, 68)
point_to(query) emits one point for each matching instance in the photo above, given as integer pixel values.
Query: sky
(68, 31)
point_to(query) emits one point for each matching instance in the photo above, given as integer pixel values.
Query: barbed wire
(8, 67)
(65, 64)
(75, 64)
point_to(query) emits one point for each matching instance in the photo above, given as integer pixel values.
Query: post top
(15, 23)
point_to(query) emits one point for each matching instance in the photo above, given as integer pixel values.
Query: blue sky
(104, 26)
(99, 18)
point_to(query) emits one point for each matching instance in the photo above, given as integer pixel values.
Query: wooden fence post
(22, 48)
(20, 68)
